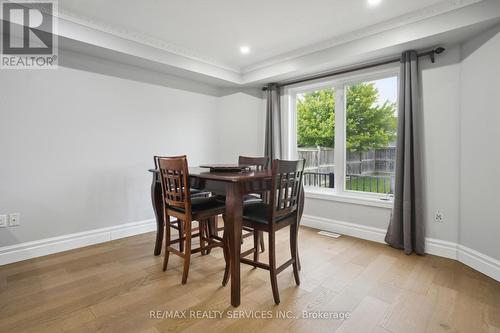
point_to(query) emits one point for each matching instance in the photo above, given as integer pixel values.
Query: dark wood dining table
(234, 185)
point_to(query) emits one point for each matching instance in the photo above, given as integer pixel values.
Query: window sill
(332, 195)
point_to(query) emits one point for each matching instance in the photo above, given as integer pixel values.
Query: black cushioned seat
(201, 204)
(195, 193)
(251, 199)
(247, 198)
(259, 212)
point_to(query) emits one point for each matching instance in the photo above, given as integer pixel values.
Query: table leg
(156, 199)
(301, 211)
(232, 227)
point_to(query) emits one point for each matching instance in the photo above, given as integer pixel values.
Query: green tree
(369, 126)
(316, 119)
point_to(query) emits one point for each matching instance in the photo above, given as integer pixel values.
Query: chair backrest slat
(174, 176)
(259, 163)
(286, 183)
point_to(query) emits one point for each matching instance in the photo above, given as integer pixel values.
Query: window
(315, 135)
(346, 131)
(371, 135)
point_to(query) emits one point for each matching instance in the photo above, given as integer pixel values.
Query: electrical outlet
(14, 219)
(438, 217)
(3, 221)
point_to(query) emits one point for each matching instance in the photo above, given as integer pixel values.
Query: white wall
(440, 98)
(76, 142)
(480, 139)
(75, 147)
(240, 125)
(441, 110)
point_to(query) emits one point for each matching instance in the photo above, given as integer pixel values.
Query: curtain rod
(430, 53)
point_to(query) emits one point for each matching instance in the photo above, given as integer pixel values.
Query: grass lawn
(376, 184)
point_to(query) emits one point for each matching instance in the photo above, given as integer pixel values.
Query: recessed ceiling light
(245, 49)
(373, 3)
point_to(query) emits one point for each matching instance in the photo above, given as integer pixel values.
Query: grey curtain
(406, 227)
(273, 144)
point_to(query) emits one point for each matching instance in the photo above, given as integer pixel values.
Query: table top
(242, 176)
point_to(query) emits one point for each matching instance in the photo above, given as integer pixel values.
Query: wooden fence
(321, 159)
(371, 171)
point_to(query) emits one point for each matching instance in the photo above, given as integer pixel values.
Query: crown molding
(121, 32)
(140, 38)
(413, 17)
(445, 21)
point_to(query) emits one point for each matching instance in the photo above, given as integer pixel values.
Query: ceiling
(200, 39)
(214, 30)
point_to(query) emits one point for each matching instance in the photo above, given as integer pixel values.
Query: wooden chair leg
(187, 251)
(211, 229)
(225, 250)
(213, 226)
(257, 239)
(272, 267)
(261, 237)
(298, 260)
(293, 250)
(166, 220)
(180, 225)
(202, 225)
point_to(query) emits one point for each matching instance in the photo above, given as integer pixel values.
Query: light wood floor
(114, 286)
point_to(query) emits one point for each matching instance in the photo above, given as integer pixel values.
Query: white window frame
(339, 193)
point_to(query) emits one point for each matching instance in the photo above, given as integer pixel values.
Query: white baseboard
(479, 261)
(344, 228)
(441, 248)
(472, 258)
(28, 250)
(13, 253)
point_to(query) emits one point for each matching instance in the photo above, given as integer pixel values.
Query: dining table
(233, 185)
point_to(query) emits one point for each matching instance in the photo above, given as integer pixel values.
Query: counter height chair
(194, 193)
(180, 204)
(258, 164)
(281, 211)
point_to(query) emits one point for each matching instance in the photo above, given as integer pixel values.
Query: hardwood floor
(115, 286)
